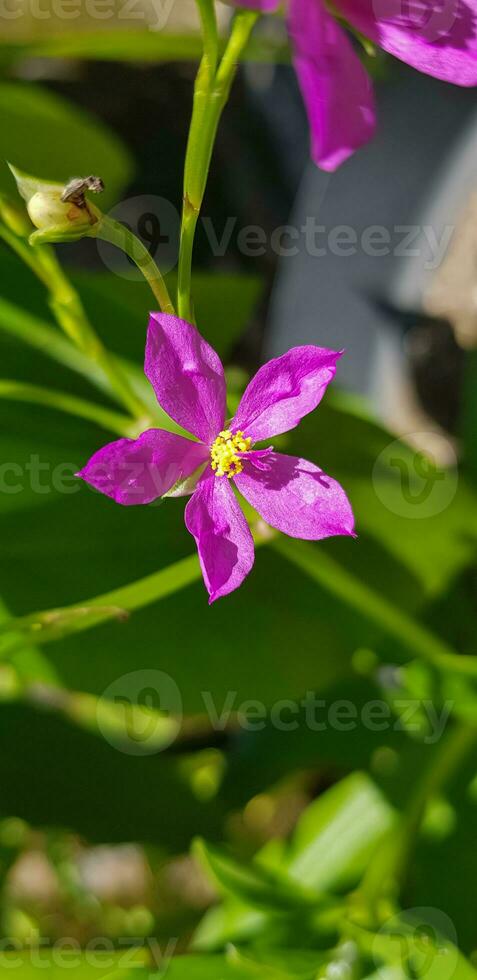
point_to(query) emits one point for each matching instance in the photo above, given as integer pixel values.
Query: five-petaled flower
(290, 494)
(438, 37)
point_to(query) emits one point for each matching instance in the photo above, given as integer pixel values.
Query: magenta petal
(438, 38)
(187, 376)
(336, 88)
(296, 497)
(222, 535)
(137, 471)
(284, 390)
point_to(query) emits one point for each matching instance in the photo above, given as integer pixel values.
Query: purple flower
(290, 494)
(437, 37)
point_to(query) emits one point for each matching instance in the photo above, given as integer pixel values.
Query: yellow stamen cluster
(223, 454)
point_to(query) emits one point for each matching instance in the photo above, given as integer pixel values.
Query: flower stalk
(64, 402)
(211, 93)
(64, 301)
(109, 230)
(387, 872)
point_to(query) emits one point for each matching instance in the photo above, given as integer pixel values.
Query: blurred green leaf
(55, 962)
(251, 883)
(203, 968)
(149, 45)
(282, 964)
(33, 120)
(337, 834)
(329, 850)
(119, 308)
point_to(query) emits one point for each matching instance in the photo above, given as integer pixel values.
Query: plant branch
(388, 870)
(211, 93)
(68, 310)
(63, 402)
(355, 594)
(109, 230)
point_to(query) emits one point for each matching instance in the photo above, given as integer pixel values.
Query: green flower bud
(14, 217)
(59, 212)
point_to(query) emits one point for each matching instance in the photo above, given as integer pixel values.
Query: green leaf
(330, 849)
(155, 46)
(418, 943)
(55, 962)
(283, 964)
(119, 308)
(203, 968)
(337, 834)
(33, 120)
(252, 883)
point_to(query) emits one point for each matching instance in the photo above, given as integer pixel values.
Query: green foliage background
(324, 618)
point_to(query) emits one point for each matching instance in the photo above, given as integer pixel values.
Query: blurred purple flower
(290, 494)
(438, 38)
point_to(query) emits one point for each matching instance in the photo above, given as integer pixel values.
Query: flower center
(225, 461)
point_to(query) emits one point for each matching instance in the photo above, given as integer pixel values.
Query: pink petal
(222, 535)
(137, 471)
(284, 390)
(438, 38)
(187, 376)
(336, 88)
(296, 497)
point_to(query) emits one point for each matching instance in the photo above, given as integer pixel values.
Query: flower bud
(58, 215)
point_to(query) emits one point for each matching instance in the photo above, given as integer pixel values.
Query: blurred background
(380, 259)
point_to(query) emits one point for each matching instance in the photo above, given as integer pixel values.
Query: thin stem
(117, 234)
(25, 252)
(59, 400)
(210, 36)
(53, 624)
(70, 315)
(389, 869)
(29, 329)
(417, 639)
(211, 93)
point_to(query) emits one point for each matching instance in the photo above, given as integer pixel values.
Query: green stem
(211, 93)
(29, 329)
(417, 639)
(59, 400)
(388, 871)
(53, 624)
(25, 252)
(117, 234)
(69, 313)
